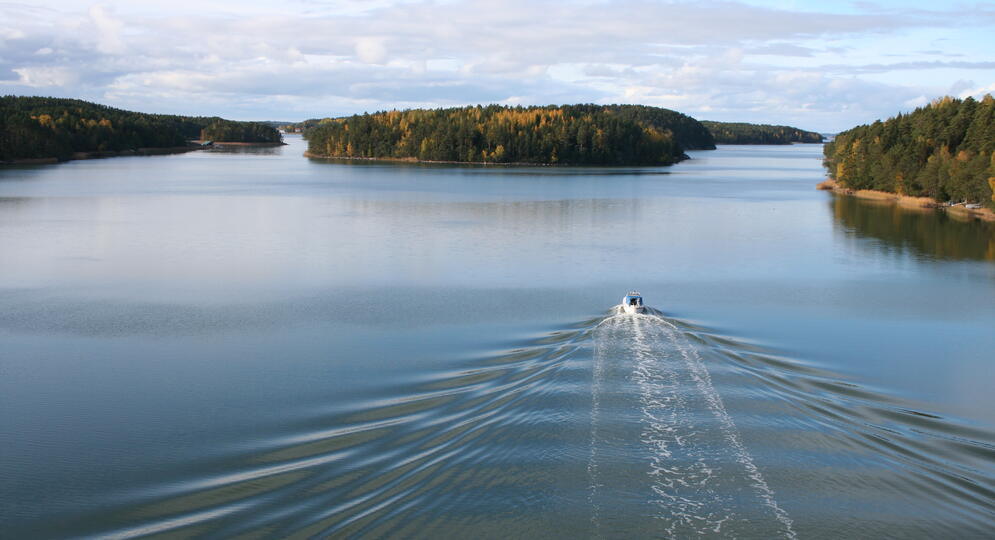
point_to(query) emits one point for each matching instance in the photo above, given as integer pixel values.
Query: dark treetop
(742, 133)
(40, 127)
(571, 135)
(945, 150)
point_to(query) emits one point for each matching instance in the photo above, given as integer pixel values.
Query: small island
(743, 133)
(48, 130)
(494, 134)
(938, 156)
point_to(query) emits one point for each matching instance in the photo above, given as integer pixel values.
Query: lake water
(250, 343)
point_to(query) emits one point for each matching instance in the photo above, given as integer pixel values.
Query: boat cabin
(633, 303)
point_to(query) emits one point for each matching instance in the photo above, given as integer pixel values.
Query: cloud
(371, 50)
(783, 49)
(960, 86)
(11, 34)
(43, 77)
(730, 59)
(978, 91)
(108, 31)
(905, 66)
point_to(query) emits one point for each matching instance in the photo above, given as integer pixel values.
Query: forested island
(566, 135)
(39, 128)
(220, 130)
(743, 133)
(944, 151)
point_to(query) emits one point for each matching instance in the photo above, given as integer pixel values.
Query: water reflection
(246, 149)
(495, 169)
(235, 345)
(545, 216)
(930, 233)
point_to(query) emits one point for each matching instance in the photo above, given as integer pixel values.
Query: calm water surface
(255, 344)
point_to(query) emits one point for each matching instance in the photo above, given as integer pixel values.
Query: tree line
(743, 133)
(944, 150)
(572, 134)
(44, 127)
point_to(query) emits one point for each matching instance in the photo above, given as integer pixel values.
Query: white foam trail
(704, 382)
(683, 491)
(685, 468)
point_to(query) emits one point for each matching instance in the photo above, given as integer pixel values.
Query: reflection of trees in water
(931, 233)
(533, 217)
(14, 201)
(239, 149)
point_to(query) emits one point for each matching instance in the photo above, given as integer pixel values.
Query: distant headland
(45, 130)
(743, 133)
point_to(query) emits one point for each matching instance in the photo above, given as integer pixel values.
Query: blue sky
(816, 65)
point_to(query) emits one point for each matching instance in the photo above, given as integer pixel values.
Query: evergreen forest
(43, 127)
(945, 150)
(569, 135)
(742, 133)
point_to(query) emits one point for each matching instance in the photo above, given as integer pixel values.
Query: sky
(823, 66)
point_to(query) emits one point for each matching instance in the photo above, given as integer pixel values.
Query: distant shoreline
(105, 154)
(168, 150)
(492, 163)
(914, 203)
(260, 144)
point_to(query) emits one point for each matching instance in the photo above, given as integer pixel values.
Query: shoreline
(139, 152)
(261, 144)
(309, 155)
(104, 154)
(163, 151)
(905, 201)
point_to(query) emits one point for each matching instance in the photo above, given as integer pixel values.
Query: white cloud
(978, 91)
(40, 77)
(108, 30)
(371, 50)
(11, 33)
(917, 101)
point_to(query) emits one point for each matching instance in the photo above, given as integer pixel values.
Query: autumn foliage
(574, 135)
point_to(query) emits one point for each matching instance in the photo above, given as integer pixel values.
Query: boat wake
(699, 476)
(613, 426)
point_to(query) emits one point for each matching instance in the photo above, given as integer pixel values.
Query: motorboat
(633, 303)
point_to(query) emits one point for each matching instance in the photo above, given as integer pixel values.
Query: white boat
(633, 303)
